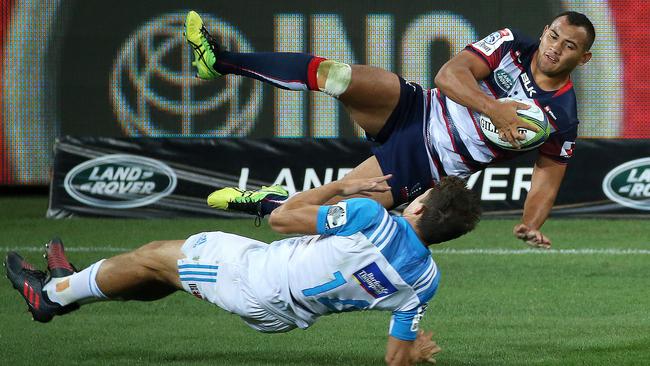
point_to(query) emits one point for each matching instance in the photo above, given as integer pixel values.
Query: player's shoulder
(503, 41)
(561, 107)
(521, 37)
(350, 216)
(363, 206)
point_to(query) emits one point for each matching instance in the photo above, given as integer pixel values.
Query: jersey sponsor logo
(120, 181)
(493, 41)
(503, 80)
(567, 149)
(336, 215)
(374, 281)
(528, 85)
(629, 184)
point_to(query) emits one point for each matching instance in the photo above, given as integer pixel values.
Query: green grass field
(587, 302)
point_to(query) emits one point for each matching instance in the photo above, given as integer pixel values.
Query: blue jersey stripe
(388, 237)
(410, 258)
(379, 228)
(424, 276)
(201, 266)
(196, 279)
(386, 229)
(427, 280)
(426, 292)
(198, 273)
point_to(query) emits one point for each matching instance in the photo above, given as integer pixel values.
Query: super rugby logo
(336, 215)
(120, 181)
(493, 41)
(629, 184)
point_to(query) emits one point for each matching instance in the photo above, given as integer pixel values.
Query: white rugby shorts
(215, 269)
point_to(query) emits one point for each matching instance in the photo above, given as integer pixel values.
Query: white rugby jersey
(365, 259)
(454, 138)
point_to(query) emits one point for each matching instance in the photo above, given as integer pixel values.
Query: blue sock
(293, 71)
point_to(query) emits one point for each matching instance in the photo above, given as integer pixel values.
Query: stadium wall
(122, 69)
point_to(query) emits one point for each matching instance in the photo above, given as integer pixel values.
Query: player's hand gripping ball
(533, 116)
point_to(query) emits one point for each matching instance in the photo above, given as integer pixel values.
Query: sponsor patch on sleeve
(492, 42)
(336, 215)
(374, 281)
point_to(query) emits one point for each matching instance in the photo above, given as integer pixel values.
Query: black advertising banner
(156, 177)
(170, 177)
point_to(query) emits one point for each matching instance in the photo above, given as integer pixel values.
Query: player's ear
(543, 32)
(418, 209)
(585, 58)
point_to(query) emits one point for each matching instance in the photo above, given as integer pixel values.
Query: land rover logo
(120, 181)
(629, 184)
(503, 80)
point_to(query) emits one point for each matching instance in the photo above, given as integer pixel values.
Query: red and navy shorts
(402, 151)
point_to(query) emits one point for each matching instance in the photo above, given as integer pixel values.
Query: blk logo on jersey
(374, 281)
(528, 85)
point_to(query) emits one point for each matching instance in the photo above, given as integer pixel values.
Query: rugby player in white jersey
(359, 258)
(429, 134)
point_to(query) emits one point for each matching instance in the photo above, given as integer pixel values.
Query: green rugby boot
(204, 46)
(259, 203)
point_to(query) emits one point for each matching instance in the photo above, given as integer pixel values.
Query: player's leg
(368, 169)
(371, 97)
(148, 273)
(368, 93)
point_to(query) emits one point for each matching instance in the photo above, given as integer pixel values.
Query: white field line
(582, 251)
(471, 251)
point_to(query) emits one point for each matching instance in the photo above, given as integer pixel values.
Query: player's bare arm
(422, 349)
(546, 180)
(299, 213)
(457, 79)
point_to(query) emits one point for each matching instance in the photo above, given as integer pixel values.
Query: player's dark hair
(580, 20)
(450, 210)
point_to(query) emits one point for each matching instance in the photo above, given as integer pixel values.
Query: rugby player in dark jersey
(425, 135)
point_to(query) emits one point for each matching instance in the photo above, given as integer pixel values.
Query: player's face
(562, 48)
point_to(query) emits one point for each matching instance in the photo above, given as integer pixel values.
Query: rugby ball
(534, 116)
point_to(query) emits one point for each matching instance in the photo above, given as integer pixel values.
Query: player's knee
(151, 257)
(333, 77)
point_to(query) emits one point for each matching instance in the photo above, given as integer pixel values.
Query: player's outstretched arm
(298, 215)
(547, 177)
(422, 349)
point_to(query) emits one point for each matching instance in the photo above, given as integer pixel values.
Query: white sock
(76, 287)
